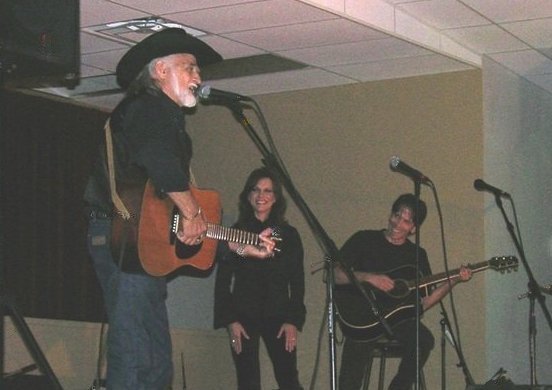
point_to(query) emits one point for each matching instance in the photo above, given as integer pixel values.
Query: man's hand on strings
(380, 281)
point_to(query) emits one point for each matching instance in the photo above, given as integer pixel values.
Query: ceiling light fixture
(134, 30)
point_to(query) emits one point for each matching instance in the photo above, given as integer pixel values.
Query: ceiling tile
(414, 31)
(250, 16)
(537, 33)
(283, 81)
(94, 12)
(335, 5)
(171, 6)
(374, 12)
(443, 14)
(303, 35)
(358, 52)
(90, 43)
(512, 10)
(230, 49)
(526, 62)
(104, 60)
(486, 39)
(401, 67)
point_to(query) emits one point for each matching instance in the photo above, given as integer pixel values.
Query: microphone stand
(328, 246)
(443, 351)
(417, 190)
(534, 293)
(445, 325)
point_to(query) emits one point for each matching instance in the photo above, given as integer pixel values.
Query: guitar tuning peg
(277, 250)
(276, 238)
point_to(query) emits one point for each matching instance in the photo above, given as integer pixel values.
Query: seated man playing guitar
(373, 255)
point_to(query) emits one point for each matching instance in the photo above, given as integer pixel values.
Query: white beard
(182, 96)
(188, 100)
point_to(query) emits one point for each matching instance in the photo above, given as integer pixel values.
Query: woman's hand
(290, 333)
(264, 250)
(236, 332)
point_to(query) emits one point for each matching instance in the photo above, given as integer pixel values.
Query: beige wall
(337, 143)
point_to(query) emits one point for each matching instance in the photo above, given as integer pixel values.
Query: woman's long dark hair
(278, 210)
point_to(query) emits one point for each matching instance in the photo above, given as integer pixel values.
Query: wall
(518, 140)
(336, 144)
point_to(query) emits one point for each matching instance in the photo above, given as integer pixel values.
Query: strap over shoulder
(117, 202)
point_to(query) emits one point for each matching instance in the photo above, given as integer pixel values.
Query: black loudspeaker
(40, 43)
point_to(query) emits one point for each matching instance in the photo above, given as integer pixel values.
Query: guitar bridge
(173, 226)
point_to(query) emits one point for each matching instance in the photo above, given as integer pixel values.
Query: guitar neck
(219, 232)
(454, 274)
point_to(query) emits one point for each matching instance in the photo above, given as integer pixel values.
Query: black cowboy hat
(161, 44)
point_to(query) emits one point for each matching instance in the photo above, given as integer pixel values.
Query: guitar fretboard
(500, 263)
(219, 232)
(454, 274)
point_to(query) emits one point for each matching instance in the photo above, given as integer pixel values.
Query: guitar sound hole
(400, 290)
(184, 251)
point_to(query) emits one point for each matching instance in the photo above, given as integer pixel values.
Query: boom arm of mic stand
(324, 240)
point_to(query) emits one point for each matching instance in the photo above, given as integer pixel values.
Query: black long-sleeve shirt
(256, 290)
(149, 142)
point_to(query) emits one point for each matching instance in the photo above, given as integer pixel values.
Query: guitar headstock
(504, 263)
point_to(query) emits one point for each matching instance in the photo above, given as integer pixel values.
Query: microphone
(205, 92)
(397, 165)
(480, 185)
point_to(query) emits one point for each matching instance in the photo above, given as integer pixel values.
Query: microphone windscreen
(395, 161)
(204, 91)
(479, 184)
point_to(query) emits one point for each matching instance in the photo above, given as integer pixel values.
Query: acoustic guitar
(358, 321)
(150, 234)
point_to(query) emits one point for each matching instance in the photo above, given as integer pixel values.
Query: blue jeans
(139, 349)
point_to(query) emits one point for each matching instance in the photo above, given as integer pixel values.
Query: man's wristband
(194, 216)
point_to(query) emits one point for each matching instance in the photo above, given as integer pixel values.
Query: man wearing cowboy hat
(160, 75)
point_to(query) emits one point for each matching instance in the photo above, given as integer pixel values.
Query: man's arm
(381, 281)
(444, 288)
(193, 221)
(194, 227)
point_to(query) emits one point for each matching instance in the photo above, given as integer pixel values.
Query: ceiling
(321, 43)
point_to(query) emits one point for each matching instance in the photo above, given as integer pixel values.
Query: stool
(385, 349)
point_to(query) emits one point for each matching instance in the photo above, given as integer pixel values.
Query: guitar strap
(117, 202)
(99, 383)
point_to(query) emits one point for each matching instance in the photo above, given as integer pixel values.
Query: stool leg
(422, 380)
(382, 369)
(367, 374)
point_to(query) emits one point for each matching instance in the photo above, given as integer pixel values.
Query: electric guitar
(357, 320)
